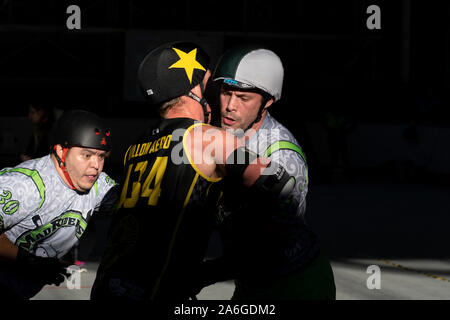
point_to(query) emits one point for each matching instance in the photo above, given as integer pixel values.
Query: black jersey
(164, 220)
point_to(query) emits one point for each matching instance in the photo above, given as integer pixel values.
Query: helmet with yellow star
(172, 70)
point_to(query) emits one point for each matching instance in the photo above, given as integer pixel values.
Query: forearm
(49, 270)
(244, 167)
(8, 251)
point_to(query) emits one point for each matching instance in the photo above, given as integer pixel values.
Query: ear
(268, 103)
(206, 78)
(59, 150)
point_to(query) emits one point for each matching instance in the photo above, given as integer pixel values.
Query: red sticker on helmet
(103, 142)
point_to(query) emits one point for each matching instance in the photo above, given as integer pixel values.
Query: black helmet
(79, 128)
(172, 70)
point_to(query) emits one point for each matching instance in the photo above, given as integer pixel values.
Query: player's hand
(49, 270)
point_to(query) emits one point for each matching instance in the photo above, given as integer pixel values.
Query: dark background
(389, 86)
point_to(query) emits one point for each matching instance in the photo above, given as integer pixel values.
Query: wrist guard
(274, 182)
(49, 270)
(238, 161)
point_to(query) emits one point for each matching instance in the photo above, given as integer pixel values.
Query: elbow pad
(238, 161)
(274, 182)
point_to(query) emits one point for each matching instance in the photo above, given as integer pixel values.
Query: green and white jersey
(270, 240)
(276, 142)
(40, 213)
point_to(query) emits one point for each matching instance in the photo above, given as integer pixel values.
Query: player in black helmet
(158, 239)
(269, 248)
(80, 129)
(46, 204)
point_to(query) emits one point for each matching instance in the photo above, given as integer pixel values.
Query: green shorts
(314, 282)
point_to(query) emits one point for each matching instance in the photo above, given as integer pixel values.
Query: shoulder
(200, 127)
(103, 184)
(29, 173)
(106, 193)
(22, 190)
(276, 142)
(277, 131)
(273, 138)
(202, 135)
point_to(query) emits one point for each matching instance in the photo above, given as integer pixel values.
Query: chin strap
(62, 165)
(202, 102)
(265, 99)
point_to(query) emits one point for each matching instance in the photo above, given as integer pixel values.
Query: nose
(231, 103)
(95, 162)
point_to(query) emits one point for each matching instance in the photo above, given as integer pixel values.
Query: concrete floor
(402, 229)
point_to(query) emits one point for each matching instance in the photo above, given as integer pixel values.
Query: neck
(185, 109)
(59, 170)
(255, 127)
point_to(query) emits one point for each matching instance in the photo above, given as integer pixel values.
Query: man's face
(84, 165)
(238, 109)
(35, 115)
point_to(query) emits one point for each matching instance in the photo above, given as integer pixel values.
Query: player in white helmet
(268, 246)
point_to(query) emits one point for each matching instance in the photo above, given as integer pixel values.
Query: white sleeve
(297, 168)
(20, 197)
(107, 193)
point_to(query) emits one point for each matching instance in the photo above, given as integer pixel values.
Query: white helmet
(251, 67)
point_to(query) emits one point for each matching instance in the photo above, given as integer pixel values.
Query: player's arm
(296, 166)
(16, 207)
(8, 251)
(22, 193)
(49, 270)
(13, 209)
(261, 174)
(211, 150)
(217, 152)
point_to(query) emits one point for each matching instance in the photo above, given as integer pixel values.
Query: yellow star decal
(187, 62)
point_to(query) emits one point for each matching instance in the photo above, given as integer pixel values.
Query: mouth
(228, 121)
(91, 177)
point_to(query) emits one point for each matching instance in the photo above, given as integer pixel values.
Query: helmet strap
(202, 102)
(265, 99)
(62, 165)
